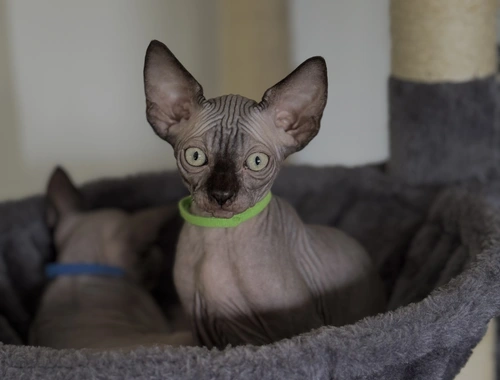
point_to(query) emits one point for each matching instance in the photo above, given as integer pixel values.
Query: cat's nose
(221, 196)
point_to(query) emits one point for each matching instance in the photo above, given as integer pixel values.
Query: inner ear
(296, 104)
(172, 93)
(63, 198)
(51, 217)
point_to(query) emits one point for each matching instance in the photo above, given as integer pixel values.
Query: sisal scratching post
(443, 90)
(253, 45)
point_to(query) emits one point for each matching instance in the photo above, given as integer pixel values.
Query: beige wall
(71, 75)
(71, 84)
(353, 36)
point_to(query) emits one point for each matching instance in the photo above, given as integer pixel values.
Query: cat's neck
(196, 215)
(277, 217)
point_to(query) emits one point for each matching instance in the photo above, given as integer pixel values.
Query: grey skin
(272, 277)
(100, 312)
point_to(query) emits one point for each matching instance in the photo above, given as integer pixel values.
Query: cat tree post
(253, 44)
(442, 90)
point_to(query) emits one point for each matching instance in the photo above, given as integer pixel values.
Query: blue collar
(58, 269)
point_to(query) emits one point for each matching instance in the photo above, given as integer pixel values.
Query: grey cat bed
(438, 251)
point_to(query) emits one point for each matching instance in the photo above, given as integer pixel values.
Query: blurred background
(71, 89)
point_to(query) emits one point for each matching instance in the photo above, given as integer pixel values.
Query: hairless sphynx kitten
(98, 298)
(248, 270)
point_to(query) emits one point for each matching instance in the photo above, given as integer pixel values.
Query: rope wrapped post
(443, 90)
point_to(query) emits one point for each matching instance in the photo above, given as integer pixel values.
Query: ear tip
(318, 61)
(157, 51)
(157, 47)
(58, 174)
(155, 44)
(319, 58)
(58, 169)
(316, 66)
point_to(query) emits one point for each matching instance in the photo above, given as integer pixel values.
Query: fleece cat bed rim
(354, 350)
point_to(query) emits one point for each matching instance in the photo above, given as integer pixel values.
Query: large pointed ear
(297, 102)
(63, 198)
(172, 94)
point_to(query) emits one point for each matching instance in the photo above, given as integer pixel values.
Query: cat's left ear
(172, 93)
(297, 102)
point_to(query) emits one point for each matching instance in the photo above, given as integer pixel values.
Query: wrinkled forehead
(230, 107)
(226, 123)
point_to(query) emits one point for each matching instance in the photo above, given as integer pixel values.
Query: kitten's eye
(195, 157)
(257, 161)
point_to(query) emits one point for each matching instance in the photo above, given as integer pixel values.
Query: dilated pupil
(196, 156)
(257, 160)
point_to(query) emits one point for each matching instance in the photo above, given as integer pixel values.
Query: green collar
(203, 221)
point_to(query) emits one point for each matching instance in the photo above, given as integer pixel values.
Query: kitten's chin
(211, 211)
(222, 214)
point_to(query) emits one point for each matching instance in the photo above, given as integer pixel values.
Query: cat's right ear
(172, 94)
(63, 198)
